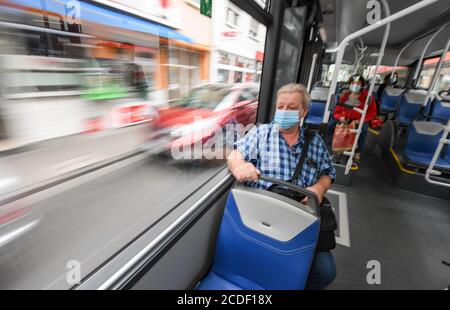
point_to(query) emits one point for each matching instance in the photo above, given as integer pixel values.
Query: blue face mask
(354, 88)
(287, 118)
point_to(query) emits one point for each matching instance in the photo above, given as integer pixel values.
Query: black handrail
(312, 197)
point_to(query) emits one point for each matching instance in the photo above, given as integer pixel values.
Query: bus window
(290, 47)
(127, 107)
(428, 69)
(384, 71)
(344, 75)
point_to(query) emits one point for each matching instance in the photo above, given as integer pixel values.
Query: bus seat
(265, 241)
(421, 143)
(316, 112)
(317, 106)
(389, 99)
(441, 108)
(410, 105)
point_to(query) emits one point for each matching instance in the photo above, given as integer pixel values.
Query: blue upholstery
(215, 282)
(316, 112)
(251, 260)
(389, 99)
(319, 95)
(421, 143)
(441, 108)
(411, 103)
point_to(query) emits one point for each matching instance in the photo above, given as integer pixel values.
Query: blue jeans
(362, 136)
(322, 272)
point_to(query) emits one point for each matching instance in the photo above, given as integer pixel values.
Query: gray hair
(296, 88)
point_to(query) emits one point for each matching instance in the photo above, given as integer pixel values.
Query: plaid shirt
(265, 147)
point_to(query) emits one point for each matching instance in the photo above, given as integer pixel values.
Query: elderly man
(274, 150)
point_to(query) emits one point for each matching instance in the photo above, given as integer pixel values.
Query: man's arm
(320, 188)
(242, 170)
(327, 173)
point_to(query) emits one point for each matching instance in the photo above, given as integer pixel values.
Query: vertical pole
(398, 57)
(271, 54)
(435, 79)
(419, 63)
(430, 171)
(372, 84)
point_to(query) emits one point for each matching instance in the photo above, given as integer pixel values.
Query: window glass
(254, 26)
(102, 113)
(232, 17)
(428, 70)
(290, 48)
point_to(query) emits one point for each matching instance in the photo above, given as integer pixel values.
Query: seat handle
(312, 197)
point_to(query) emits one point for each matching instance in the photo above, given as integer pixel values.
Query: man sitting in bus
(283, 141)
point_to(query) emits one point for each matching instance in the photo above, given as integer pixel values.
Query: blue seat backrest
(317, 108)
(317, 105)
(390, 98)
(411, 103)
(441, 108)
(316, 112)
(264, 242)
(423, 137)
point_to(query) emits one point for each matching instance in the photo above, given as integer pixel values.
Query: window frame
(236, 15)
(433, 67)
(251, 32)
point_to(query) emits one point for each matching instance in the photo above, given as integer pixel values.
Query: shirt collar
(300, 141)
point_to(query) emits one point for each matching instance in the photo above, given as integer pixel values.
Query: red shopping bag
(343, 137)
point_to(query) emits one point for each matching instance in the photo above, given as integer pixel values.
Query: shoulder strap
(298, 169)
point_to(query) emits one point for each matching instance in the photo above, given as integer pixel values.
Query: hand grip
(312, 197)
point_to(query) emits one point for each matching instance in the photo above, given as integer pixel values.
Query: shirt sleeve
(326, 166)
(248, 145)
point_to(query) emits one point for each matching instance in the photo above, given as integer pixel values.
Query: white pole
(358, 61)
(435, 79)
(311, 72)
(422, 56)
(430, 170)
(398, 57)
(369, 95)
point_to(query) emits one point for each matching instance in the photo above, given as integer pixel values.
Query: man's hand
(320, 188)
(316, 189)
(246, 172)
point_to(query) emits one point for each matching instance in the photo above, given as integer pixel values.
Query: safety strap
(298, 169)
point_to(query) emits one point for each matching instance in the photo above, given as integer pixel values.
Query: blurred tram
(96, 95)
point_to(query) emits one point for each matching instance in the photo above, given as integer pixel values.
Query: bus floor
(397, 239)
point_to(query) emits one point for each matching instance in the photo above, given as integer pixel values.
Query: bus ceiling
(341, 18)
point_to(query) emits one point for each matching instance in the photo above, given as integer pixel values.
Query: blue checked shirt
(265, 147)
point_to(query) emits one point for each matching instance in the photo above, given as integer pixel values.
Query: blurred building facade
(69, 67)
(187, 64)
(182, 64)
(239, 42)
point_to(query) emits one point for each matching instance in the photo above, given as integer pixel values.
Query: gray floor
(407, 233)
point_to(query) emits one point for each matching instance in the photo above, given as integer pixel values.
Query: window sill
(231, 25)
(253, 38)
(193, 4)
